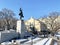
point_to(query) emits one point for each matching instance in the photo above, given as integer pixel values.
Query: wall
(6, 36)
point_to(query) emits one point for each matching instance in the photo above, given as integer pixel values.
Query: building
(36, 23)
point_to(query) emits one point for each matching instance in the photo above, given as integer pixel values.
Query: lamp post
(31, 41)
(31, 26)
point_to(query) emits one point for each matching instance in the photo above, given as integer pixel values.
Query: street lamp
(31, 26)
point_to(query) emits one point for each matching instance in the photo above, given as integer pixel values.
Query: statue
(21, 14)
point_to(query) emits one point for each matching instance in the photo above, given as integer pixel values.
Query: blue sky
(34, 8)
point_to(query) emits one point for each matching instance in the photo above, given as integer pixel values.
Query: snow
(6, 43)
(20, 40)
(36, 39)
(41, 42)
(57, 35)
(49, 41)
(45, 41)
(55, 43)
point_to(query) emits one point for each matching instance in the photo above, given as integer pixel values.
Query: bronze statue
(21, 14)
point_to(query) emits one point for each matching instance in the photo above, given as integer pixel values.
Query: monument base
(21, 28)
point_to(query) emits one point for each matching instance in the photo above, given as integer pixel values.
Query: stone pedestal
(21, 28)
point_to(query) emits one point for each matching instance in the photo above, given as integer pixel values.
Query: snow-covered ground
(36, 41)
(45, 41)
(17, 41)
(49, 41)
(21, 40)
(41, 42)
(55, 43)
(6, 43)
(57, 35)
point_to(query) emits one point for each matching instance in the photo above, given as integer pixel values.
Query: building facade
(34, 23)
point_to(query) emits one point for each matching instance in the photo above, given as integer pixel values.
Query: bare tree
(8, 18)
(52, 22)
(1, 20)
